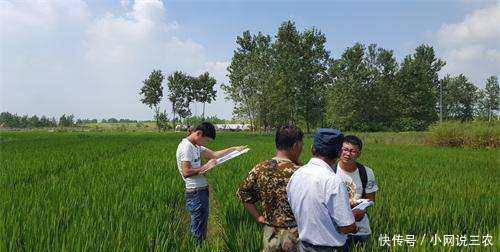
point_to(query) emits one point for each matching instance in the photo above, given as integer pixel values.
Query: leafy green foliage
(152, 91)
(459, 98)
(66, 120)
(280, 81)
(8, 120)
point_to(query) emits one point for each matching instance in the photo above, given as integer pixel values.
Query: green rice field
(105, 191)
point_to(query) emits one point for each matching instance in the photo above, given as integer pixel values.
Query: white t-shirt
(186, 151)
(320, 204)
(352, 180)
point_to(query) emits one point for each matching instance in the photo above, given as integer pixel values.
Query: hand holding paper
(239, 151)
(363, 204)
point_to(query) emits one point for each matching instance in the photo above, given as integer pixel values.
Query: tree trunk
(173, 118)
(157, 121)
(203, 116)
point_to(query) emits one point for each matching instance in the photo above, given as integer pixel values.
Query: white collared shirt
(320, 204)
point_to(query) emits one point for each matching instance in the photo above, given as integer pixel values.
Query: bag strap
(363, 176)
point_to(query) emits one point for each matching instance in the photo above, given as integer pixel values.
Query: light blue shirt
(320, 204)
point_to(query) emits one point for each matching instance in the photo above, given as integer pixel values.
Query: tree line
(291, 78)
(183, 90)
(12, 120)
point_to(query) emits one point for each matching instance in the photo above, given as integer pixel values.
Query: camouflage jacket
(267, 182)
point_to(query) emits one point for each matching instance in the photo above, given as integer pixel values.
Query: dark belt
(192, 190)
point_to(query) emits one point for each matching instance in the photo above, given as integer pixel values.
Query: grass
(474, 135)
(69, 191)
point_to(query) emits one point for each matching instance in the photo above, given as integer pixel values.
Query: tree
(9, 120)
(449, 101)
(346, 96)
(280, 81)
(163, 120)
(287, 71)
(310, 96)
(34, 122)
(362, 95)
(152, 92)
(250, 79)
(492, 92)
(66, 120)
(467, 98)
(203, 91)
(459, 98)
(180, 94)
(417, 85)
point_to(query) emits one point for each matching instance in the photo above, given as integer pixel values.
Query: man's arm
(248, 192)
(188, 171)
(339, 207)
(372, 186)
(208, 153)
(252, 209)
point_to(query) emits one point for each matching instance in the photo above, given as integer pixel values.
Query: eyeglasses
(352, 151)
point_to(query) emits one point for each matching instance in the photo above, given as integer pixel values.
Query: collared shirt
(187, 151)
(266, 182)
(320, 204)
(354, 186)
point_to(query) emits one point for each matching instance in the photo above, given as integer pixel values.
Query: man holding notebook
(266, 182)
(189, 153)
(360, 182)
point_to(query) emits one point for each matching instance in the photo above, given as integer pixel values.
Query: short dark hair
(354, 140)
(286, 136)
(207, 129)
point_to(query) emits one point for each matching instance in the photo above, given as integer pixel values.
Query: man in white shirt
(360, 182)
(189, 153)
(319, 198)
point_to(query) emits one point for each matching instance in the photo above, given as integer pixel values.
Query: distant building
(180, 127)
(232, 127)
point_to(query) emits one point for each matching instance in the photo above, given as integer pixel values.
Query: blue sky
(88, 58)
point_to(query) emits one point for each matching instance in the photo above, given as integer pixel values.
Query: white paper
(231, 155)
(363, 204)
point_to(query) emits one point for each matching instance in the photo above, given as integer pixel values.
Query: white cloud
(218, 69)
(40, 14)
(57, 58)
(472, 46)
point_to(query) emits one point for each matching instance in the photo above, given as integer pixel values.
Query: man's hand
(353, 203)
(261, 220)
(358, 214)
(208, 166)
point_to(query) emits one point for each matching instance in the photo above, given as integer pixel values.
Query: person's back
(319, 199)
(315, 193)
(266, 183)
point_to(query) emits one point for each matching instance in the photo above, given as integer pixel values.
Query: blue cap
(328, 141)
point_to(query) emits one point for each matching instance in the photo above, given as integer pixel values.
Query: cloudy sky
(89, 57)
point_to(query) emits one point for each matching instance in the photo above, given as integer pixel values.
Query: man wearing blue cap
(319, 198)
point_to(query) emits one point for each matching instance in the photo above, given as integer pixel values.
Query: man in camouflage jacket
(266, 183)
